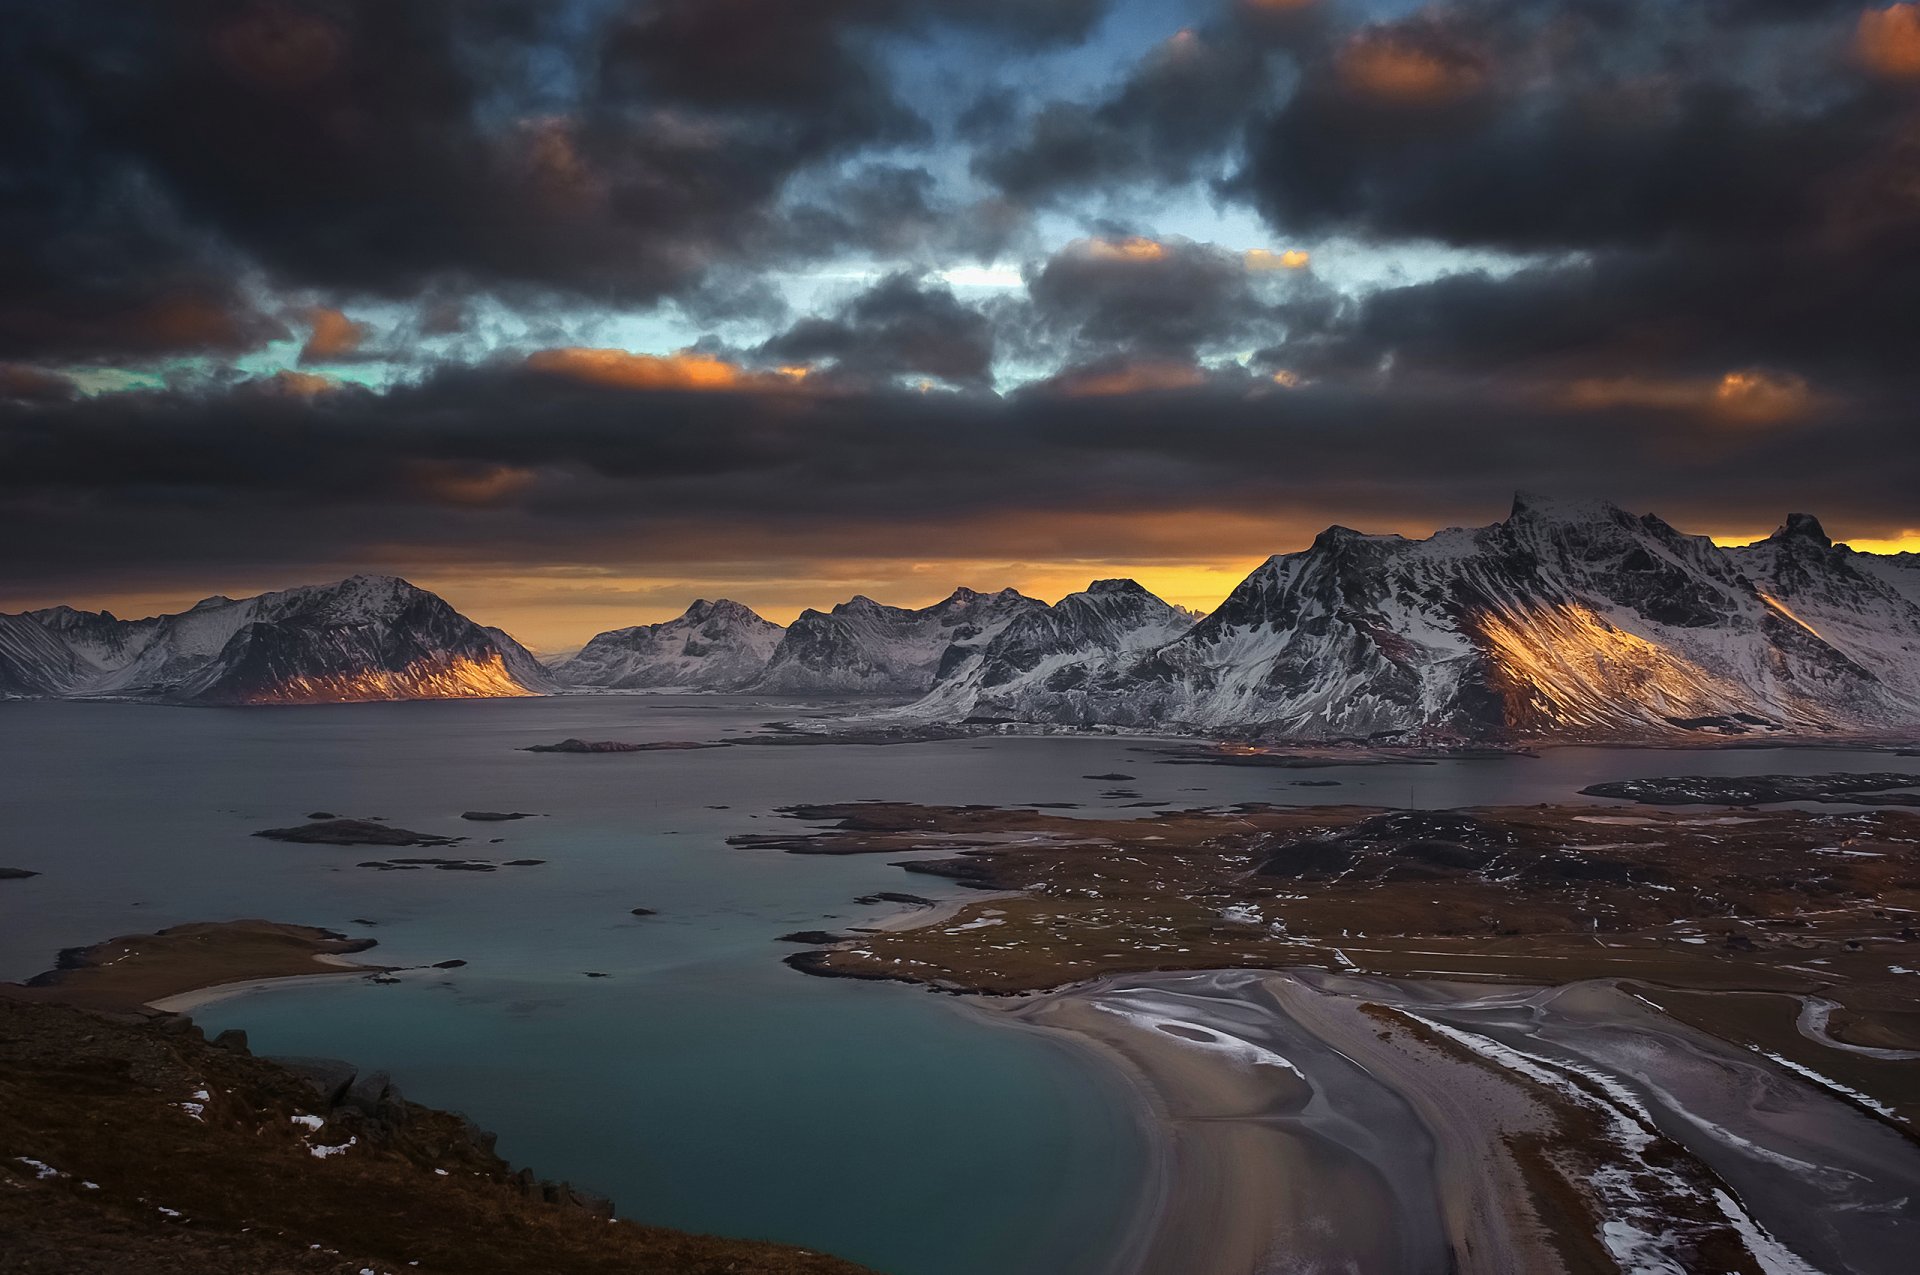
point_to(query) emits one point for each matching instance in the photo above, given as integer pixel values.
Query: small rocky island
(354, 832)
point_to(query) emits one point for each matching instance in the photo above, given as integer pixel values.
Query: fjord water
(700, 1083)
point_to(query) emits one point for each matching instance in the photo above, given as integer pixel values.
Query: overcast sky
(576, 310)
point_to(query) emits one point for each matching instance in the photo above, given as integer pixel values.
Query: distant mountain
(715, 646)
(863, 646)
(1866, 606)
(1040, 662)
(365, 638)
(1568, 620)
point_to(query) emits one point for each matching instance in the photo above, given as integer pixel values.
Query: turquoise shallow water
(701, 1084)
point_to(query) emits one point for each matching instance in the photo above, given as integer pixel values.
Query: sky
(577, 310)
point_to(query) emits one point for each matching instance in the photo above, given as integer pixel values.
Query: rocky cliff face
(715, 646)
(862, 646)
(1039, 664)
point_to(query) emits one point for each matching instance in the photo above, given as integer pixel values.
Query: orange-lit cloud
(1887, 41)
(1266, 259)
(332, 335)
(20, 381)
(470, 484)
(1751, 396)
(298, 384)
(1759, 397)
(1389, 65)
(1133, 249)
(687, 370)
(1906, 540)
(1129, 378)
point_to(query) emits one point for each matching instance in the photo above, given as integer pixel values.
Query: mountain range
(1566, 620)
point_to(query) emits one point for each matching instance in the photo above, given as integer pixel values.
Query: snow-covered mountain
(863, 646)
(33, 661)
(365, 638)
(1567, 620)
(715, 646)
(1037, 665)
(1864, 605)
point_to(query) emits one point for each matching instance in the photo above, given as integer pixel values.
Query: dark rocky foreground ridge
(133, 1144)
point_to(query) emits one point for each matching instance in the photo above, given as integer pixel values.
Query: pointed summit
(1533, 507)
(1803, 527)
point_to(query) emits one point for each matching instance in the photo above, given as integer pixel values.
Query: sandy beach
(188, 1001)
(1320, 1122)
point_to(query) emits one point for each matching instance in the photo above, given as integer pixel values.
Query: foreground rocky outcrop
(129, 1144)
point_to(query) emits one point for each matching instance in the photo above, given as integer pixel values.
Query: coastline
(188, 1001)
(1315, 1119)
(174, 969)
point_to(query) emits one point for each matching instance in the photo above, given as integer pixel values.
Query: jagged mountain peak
(725, 610)
(1337, 537)
(1541, 507)
(1804, 527)
(1119, 584)
(715, 645)
(66, 617)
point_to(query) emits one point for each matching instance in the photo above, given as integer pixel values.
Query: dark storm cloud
(1705, 190)
(154, 155)
(1177, 110)
(1547, 127)
(1133, 295)
(887, 211)
(901, 327)
(525, 469)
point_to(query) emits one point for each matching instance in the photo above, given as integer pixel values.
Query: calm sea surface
(701, 1083)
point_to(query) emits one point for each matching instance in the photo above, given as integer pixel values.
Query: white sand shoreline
(187, 1001)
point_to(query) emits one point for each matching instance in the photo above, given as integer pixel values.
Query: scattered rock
(595, 974)
(896, 896)
(330, 1077)
(323, 814)
(496, 816)
(16, 874)
(448, 965)
(523, 863)
(645, 912)
(232, 1039)
(813, 938)
(1115, 778)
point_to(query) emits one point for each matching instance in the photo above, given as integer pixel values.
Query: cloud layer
(659, 287)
